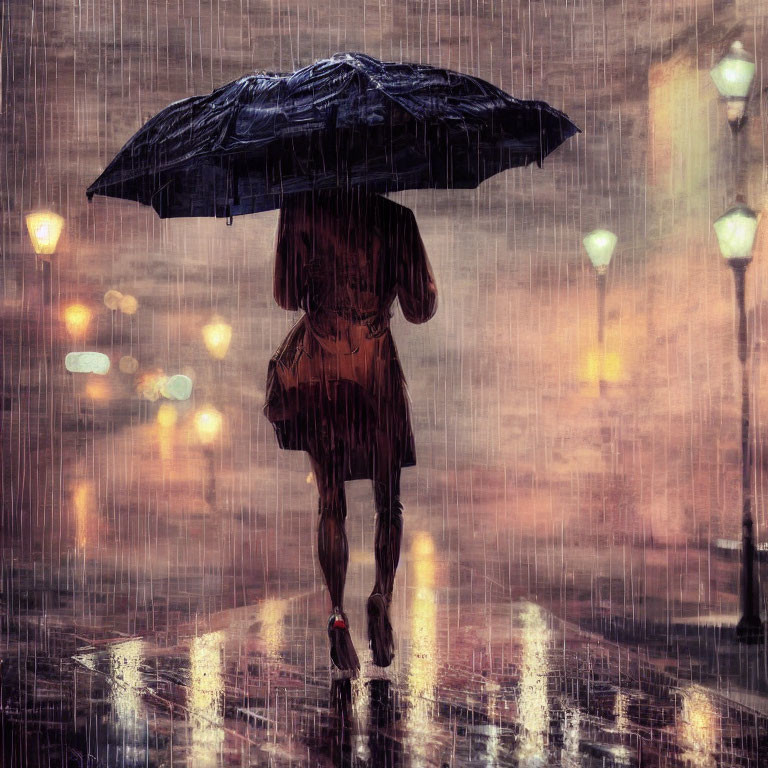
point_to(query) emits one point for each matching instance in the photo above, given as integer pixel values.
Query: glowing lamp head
(208, 423)
(733, 77)
(734, 73)
(735, 231)
(217, 335)
(599, 245)
(44, 229)
(77, 318)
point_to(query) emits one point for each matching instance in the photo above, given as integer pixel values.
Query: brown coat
(336, 380)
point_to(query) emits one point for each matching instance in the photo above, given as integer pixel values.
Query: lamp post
(217, 335)
(208, 423)
(599, 245)
(733, 77)
(735, 232)
(44, 228)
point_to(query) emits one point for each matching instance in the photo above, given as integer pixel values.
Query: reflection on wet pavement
(532, 703)
(475, 682)
(422, 663)
(205, 699)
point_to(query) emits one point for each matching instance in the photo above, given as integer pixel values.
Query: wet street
(125, 654)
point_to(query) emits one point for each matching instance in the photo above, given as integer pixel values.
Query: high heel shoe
(343, 653)
(380, 636)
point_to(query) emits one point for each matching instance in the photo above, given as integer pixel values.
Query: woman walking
(335, 388)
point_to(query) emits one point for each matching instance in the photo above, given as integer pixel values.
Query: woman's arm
(416, 288)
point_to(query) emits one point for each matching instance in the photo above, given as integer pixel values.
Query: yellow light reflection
(532, 703)
(271, 615)
(126, 687)
(571, 737)
(77, 317)
(620, 707)
(698, 727)
(621, 752)
(44, 228)
(217, 336)
(166, 424)
(82, 500)
(492, 747)
(598, 367)
(205, 699)
(422, 671)
(361, 711)
(97, 389)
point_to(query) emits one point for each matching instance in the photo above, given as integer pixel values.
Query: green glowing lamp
(733, 77)
(599, 245)
(735, 231)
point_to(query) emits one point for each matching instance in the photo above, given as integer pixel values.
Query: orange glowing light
(217, 336)
(82, 499)
(208, 422)
(97, 389)
(129, 305)
(150, 385)
(77, 317)
(599, 367)
(167, 416)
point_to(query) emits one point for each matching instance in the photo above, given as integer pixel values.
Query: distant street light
(208, 423)
(733, 77)
(217, 335)
(735, 232)
(44, 228)
(600, 244)
(77, 317)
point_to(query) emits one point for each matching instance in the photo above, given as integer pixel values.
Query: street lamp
(77, 317)
(733, 78)
(208, 423)
(217, 335)
(735, 232)
(600, 244)
(44, 228)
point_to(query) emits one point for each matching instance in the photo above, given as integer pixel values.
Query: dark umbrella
(340, 122)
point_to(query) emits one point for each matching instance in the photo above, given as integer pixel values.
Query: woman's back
(348, 255)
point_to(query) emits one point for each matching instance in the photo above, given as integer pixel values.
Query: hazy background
(520, 462)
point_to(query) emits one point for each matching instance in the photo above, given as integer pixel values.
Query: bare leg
(332, 547)
(389, 531)
(333, 554)
(389, 522)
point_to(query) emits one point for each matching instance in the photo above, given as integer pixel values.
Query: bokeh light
(87, 362)
(208, 423)
(77, 318)
(217, 335)
(129, 305)
(128, 364)
(112, 299)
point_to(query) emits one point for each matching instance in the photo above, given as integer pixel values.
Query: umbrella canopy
(342, 122)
